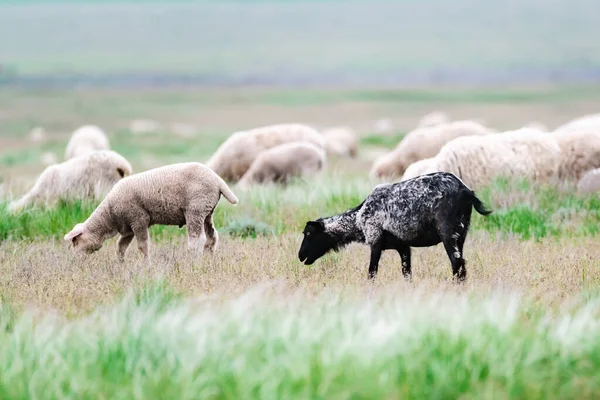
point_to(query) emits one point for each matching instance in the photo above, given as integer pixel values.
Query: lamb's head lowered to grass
(177, 194)
(418, 212)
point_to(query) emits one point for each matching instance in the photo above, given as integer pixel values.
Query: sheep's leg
(376, 249)
(404, 252)
(211, 234)
(453, 246)
(141, 236)
(196, 235)
(122, 245)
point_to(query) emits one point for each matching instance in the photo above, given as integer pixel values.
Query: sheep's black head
(316, 243)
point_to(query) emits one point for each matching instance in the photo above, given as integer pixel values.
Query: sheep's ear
(76, 231)
(318, 225)
(121, 172)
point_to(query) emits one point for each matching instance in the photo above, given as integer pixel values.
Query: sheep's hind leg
(404, 252)
(196, 234)
(141, 236)
(211, 234)
(122, 245)
(376, 249)
(454, 249)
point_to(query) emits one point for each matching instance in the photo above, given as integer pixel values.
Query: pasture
(251, 321)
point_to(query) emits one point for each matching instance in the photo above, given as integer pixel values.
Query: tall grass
(520, 208)
(336, 345)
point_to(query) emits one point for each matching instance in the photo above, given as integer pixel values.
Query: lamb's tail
(479, 206)
(227, 193)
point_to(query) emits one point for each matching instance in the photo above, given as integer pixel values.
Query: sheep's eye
(307, 233)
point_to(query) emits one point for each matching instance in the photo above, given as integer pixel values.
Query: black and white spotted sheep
(418, 212)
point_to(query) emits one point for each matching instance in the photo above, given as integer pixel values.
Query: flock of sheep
(478, 154)
(187, 193)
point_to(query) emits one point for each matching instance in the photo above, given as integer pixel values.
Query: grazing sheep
(421, 167)
(49, 158)
(586, 122)
(477, 160)
(422, 143)
(590, 182)
(142, 126)
(88, 176)
(341, 141)
(280, 163)
(233, 158)
(537, 125)
(580, 153)
(37, 134)
(434, 118)
(178, 194)
(383, 125)
(86, 139)
(419, 212)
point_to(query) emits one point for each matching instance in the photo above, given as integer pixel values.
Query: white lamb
(341, 141)
(280, 163)
(421, 167)
(580, 152)
(477, 160)
(590, 182)
(422, 143)
(585, 122)
(178, 194)
(86, 139)
(233, 158)
(89, 176)
(434, 118)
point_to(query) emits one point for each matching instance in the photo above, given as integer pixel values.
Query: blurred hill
(343, 43)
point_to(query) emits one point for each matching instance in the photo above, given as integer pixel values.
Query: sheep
(477, 160)
(49, 158)
(177, 194)
(580, 153)
(143, 126)
(434, 118)
(383, 125)
(422, 143)
(421, 167)
(537, 125)
(586, 122)
(590, 182)
(37, 134)
(86, 139)
(341, 141)
(280, 163)
(418, 212)
(91, 175)
(233, 158)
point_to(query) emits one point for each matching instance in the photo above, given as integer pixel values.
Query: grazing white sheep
(586, 122)
(422, 143)
(421, 167)
(233, 158)
(37, 134)
(178, 194)
(477, 160)
(49, 158)
(580, 152)
(383, 125)
(86, 139)
(434, 118)
(590, 182)
(341, 141)
(280, 163)
(141, 126)
(182, 130)
(89, 176)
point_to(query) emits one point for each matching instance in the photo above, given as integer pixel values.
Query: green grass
(154, 344)
(535, 212)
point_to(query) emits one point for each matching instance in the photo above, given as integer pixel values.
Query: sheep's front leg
(122, 245)
(376, 250)
(142, 238)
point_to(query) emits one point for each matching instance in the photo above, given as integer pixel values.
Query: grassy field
(251, 321)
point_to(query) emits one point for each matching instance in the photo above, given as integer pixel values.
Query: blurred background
(202, 69)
